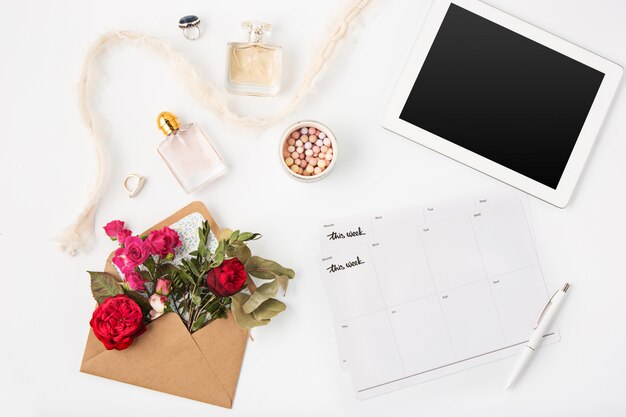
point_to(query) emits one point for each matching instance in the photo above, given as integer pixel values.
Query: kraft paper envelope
(202, 366)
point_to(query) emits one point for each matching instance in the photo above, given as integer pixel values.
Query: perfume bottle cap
(256, 30)
(168, 123)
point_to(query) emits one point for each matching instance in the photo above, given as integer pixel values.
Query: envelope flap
(223, 345)
(165, 358)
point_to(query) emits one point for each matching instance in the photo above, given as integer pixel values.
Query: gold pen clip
(545, 308)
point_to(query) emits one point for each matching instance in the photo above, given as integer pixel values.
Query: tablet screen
(502, 96)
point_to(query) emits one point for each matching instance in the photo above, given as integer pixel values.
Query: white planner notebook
(423, 292)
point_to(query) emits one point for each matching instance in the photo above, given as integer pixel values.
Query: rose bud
(135, 281)
(113, 228)
(158, 304)
(117, 321)
(228, 278)
(122, 235)
(163, 286)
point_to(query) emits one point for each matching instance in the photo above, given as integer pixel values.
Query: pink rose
(113, 229)
(163, 286)
(163, 242)
(158, 304)
(134, 253)
(122, 235)
(121, 261)
(135, 281)
(136, 250)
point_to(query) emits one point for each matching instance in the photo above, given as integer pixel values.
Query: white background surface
(46, 164)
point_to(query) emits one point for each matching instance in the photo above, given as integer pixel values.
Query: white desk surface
(47, 161)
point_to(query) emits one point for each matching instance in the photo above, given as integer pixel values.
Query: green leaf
(141, 300)
(186, 277)
(266, 269)
(219, 258)
(233, 237)
(245, 236)
(269, 309)
(167, 270)
(150, 266)
(191, 266)
(199, 322)
(261, 294)
(243, 320)
(104, 285)
(195, 298)
(145, 275)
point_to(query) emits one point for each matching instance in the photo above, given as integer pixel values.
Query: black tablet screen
(502, 96)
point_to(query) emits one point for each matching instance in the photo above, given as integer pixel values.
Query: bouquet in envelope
(175, 305)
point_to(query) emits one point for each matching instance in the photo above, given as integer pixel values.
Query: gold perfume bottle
(253, 67)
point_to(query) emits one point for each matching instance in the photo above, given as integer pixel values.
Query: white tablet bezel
(559, 196)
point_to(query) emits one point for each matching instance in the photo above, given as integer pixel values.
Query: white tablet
(503, 97)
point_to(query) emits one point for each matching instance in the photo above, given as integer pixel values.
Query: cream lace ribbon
(80, 235)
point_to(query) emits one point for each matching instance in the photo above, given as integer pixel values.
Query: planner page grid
(417, 295)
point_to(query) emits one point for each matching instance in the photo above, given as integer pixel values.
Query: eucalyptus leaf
(265, 269)
(225, 234)
(283, 281)
(243, 320)
(104, 285)
(245, 236)
(239, 251)
(262, 293)
(269, 309)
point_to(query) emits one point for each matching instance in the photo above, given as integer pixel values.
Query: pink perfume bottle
(188, 153)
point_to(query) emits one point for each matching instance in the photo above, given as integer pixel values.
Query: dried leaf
(269, 309)
(243, 320)
(283, 281)
(239, 251)
(265, 269)
(262, 293)
(245, 236)
(224, 234)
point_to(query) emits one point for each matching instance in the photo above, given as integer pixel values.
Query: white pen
(543, 322)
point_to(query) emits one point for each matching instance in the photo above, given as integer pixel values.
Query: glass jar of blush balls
(308, 150)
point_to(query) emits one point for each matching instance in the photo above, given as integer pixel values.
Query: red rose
(117, 321)
(163, 242)
(228, 278)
